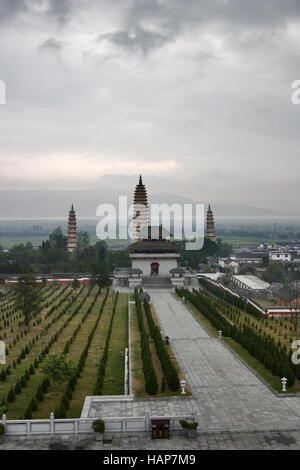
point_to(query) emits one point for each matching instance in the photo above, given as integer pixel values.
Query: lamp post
(220, 333)
(182, 384)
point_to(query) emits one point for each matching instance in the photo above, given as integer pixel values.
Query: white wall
(164, 265)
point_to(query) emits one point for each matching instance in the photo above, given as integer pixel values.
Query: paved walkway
(226, 394)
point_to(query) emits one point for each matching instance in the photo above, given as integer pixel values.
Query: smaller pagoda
(210, 225)
(72, 231)
(140, 209)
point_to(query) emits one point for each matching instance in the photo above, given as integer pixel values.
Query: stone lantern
(284, 382)
(182, 384)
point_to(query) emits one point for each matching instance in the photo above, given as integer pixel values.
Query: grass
(9, 242)
(138, 381)
(248, 241)
(264, 303)
(114, 379)
(16, 409)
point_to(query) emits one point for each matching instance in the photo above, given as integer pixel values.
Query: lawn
(64, 321)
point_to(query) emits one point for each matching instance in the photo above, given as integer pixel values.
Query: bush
(2, 429)
(186, 425)
(98, 426)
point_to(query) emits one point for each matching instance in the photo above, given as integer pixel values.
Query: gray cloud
(59, 9)
(195, 95)
(10, 8)
(139, 40)
(52, 45)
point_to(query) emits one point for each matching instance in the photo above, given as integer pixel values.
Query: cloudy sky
(195, 94)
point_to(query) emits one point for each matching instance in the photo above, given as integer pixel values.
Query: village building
(288, 296)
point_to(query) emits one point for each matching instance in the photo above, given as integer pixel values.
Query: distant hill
(56, 203)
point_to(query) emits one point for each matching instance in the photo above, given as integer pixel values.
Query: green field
(36, 241)
(248, 241)
(87, 326)
(11, 241)
(66, 322)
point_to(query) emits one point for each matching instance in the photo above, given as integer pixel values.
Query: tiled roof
(153, 246)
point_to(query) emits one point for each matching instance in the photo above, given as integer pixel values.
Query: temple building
(140, 210)
(72, 231)
(210, 225)
(154, 257)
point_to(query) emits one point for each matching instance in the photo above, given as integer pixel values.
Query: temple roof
(153, 246)
(140, 193)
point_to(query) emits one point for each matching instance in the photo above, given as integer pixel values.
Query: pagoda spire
(210, 225)
(72, 231)
(140, 209)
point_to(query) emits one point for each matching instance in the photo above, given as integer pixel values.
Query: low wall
(52, 426)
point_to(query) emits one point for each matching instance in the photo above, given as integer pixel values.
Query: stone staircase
(156, 283)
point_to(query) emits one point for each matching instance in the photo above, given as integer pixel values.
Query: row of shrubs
(234, 300)
(42, 387)
(60, 411)
(12, 314)
(272, 355)
(102, 365)
(22, 382)
(168, 367)
(27, 348)
(78, 308)
(39, 397)
(151, 384)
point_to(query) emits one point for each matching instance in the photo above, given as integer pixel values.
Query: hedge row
(168, 367)
(234, 300)
(22, 382)
(151, 383)
(263, 347)
(27, 348)
(102, 365)
(60, 411)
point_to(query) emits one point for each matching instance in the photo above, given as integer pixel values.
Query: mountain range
(43, 203)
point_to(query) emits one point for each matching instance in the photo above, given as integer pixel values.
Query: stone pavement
(207, 441)
(226, 394)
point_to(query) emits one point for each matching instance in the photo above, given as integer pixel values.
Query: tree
(57, 239)
(27, 296)
(75, 284)
(58, 367)
(83, 240)
(100, 275)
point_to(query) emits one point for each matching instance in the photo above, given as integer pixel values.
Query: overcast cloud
(195, 95)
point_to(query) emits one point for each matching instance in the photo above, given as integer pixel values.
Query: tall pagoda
(140, 210)
(72, 231)
(210, 225)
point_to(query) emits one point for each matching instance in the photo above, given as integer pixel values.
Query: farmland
(74, 322)
(89, 328)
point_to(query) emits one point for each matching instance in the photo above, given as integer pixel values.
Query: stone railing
(73, 426)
